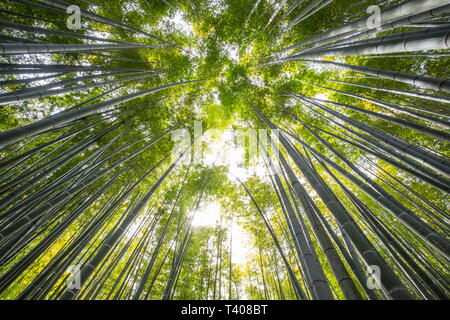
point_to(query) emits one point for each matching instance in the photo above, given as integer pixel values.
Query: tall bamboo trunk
(55, 92)
(399, 11)
(433, 41)
(411, 79)
(14, 135)
(403, 93)
(342, 276)
(392, 286)
(34, 48)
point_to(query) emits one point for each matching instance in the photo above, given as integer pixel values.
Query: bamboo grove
(351, 121)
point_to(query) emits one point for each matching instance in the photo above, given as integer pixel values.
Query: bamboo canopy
(239, 149)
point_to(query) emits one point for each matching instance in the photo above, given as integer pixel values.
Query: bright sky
(178, 22)
(209, 215)
(222, 150)
(232, 52)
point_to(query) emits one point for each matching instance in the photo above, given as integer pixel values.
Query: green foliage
(220, 43)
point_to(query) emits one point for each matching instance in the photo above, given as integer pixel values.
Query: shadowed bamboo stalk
(319, 287)
(34, 29)
(390, 14)
(402, 92)
(392, 286)
(14, 135)
(411, 79)
(6, 230)
(424, 158)
(432, 41)
(408, 217)
(342, 276)
(33, 48)
(412, 170)
(55, 92)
